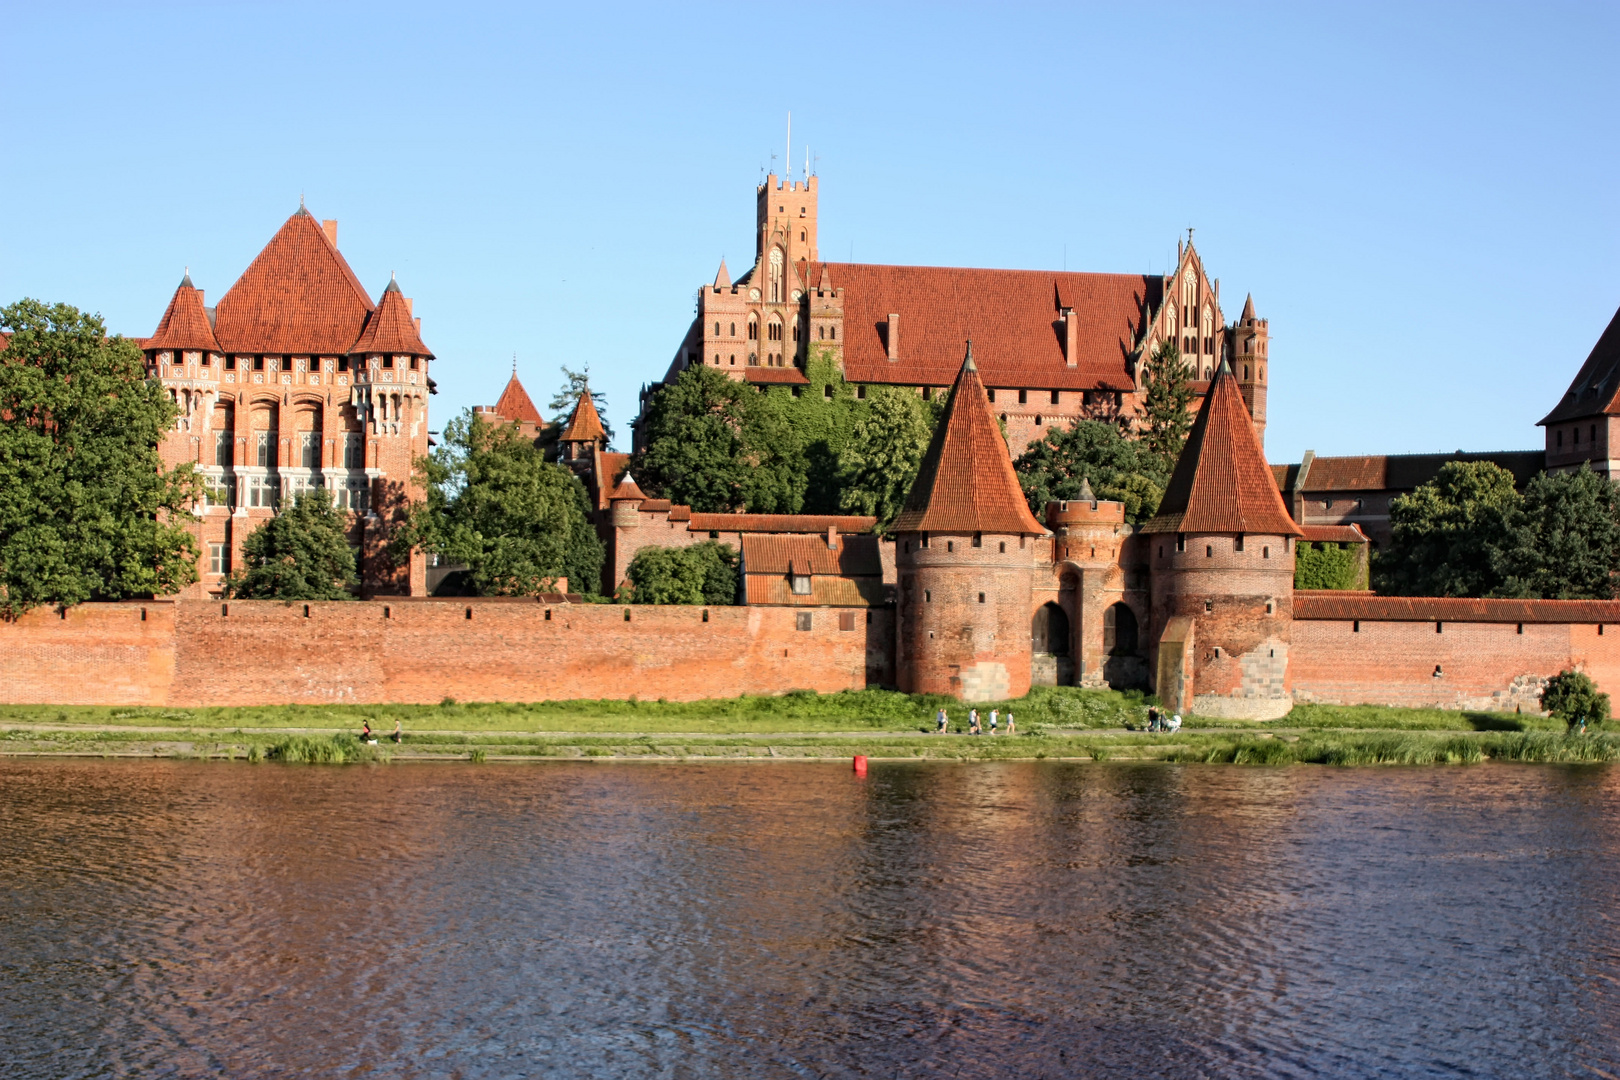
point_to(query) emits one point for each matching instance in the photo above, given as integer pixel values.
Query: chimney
(832, 537)
(407, 305)
(894, 336)
(1071, 337)
(329, 227)
(418, 322)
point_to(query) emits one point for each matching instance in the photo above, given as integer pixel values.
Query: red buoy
(860, 764)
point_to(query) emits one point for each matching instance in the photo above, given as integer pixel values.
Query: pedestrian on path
(1010, 728)
(942, 722)
(973, 722)
(995, 721)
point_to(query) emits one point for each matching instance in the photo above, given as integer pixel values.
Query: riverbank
(1053, 723)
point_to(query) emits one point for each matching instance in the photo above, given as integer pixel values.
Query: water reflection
(780, 920)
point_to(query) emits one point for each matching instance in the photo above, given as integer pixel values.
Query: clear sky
(1424, 199)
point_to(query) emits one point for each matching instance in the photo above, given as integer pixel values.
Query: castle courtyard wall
(205, 653)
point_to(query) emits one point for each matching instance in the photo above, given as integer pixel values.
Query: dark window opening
(1119, 630)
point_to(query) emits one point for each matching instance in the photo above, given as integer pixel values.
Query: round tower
(1222, 561)
(1249, 345)
(1102, 617)
(964, 560)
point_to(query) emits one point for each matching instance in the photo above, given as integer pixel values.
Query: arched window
(774, 330)
(821, 333)
(1170, 321)
(1119, 630)
(753, 359)
(832, 332)
(1189, 290)
(716, 329)
(1049, 630)
(801, 236)
(776, 274)
(795, 331)
(753, 328)
(1209, 331)
(733, 329)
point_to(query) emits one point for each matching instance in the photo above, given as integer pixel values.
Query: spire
(1222, 483)
(185, 323)
(393, 283)
(185, 282)
(1248, 309)
(722, 280)
(966, 481)
(824, 282)
(584, 425)
(391, 329)
(515, 405)
(1085, 491)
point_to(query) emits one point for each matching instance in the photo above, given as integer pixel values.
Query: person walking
(1153, 718)
(973, 721)
(1010, 729)
(397, 736)
(995, 721)
(942, 722)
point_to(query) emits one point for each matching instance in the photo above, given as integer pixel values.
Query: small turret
(1248, 350)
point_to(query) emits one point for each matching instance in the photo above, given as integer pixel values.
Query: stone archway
(1051, 661)
(1124, 667)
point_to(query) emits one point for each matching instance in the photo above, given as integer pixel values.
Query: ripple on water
(181, 919)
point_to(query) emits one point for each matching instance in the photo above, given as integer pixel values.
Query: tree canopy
(1165, 416)
(1097, 452)
(879, 461)
(1563, 540)
(87, 509)
(495, 505)
(1572, 696)
(302, 553)
(704, 573)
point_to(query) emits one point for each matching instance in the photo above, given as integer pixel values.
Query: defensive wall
(1357, 648)
(195, 652)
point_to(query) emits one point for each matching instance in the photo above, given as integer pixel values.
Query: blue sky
(1423, 199)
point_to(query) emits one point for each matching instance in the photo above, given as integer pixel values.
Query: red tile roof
(784, 375)
(1345, 606)
(1011, 316)
(966, 481)
(584, 425)
(857, 556)
(391, 329)
(1400, 472)
(781, 523)
(514, 405)
(1222, 483)
(627, 489)
(185, 324)
(1596, 389)
(298, 296)
(1332, 534)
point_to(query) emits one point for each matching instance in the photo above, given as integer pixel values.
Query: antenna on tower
(787, 162)
(807, 163)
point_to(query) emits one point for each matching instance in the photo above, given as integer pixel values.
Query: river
(172, 918)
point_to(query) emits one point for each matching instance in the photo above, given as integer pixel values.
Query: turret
(1222, 557)
(1100, 614)
(964, 560)
(583, 434)
(1248, 349)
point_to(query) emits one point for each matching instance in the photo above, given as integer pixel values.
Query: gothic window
(1209, 331)
(1189, 290)
(733, 330)
(776, 274)
(801, 236)
(753, 328)
(774, 330)
(1170, 320)
(832, 332)
(753, 359)
(1119, 630)
(795, 331)
(716, 329)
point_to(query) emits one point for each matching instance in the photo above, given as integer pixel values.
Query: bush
(1573, 697)
(704, 573)
(1325, 566)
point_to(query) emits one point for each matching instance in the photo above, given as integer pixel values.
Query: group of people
(370, 738)
(1157, 721)
(942, 722)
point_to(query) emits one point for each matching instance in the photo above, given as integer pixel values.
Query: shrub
(1573, 697)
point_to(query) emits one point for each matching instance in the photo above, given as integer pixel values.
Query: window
(860, 392)
(978, 539)
(801, 234)
(1209, 551)
(261, 493)
(1237, 542)
(230, 363)
(776, 274)
(354, 451)
(1004, 547)
(753, 330)
(802, 621)
(991, 394)
(800, 584)
(981, 598)
(774, 331)
(1038, 420)
(832, 333)
(223, 445)
(928, 596)
(413, 363)
(950, 545)
(258, 363)
(846, 620)
(343, 363)
(716, 329)
(1560, 438)
(826, 391)
(262, 453)
(219, 491)
(753, 359)
(1181, 541)
(353, 495)
(1055, 399)
(1023, 397)
(219, 559)
(309, 449)
(1265, 552)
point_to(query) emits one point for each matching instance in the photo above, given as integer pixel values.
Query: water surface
(764, 920)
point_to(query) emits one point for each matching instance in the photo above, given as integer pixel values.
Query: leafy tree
(563, 401)
(1165, 419)
(302, 553)
(1563, 542)
(1325, 566)
(776, 472)
(87, 509)
(1573, 697)
(694, 441)
(879, 463)
(495, 505)
(704, 573)
(1448, 536)
(1096, 452)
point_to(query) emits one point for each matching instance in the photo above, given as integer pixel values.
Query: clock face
(753, 294)
(796, 295)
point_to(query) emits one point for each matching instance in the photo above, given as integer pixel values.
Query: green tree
(1448, 536)
(1165, 416)
(1325, 566)
(495, 505)
(879, 462)
(87, 509)
(1563, 543)
(1091, 451)
(302, 553)
(563, 401)
(704, 573)
(1573, 697)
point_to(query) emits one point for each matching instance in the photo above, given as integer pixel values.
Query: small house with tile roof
(1584, 427)
(1052, 346)
(297, 381)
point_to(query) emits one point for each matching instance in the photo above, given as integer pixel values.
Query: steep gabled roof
(391, 329)
(1222, 483)
(1596, 389)
(185, 324)
(514, 405)
(1248, 308)
(298, 296)
(1013, 318)
(584, 425)
(966, 481)
(627, 489)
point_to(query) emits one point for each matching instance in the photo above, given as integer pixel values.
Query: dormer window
(800, 583)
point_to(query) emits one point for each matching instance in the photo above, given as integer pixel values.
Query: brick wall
(189, 653)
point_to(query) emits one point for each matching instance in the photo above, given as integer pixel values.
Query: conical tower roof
(966, 481)
(185, 324)
(1248, 308)
(722, 279)
(391, 329)
(515, 406)
(626, 490)
(1222, 483)
(584, 425)
(297, 296)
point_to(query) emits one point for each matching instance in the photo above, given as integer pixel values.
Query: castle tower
(1248, 351)
(513, 407)
(1222, 557)
(964, 560)
(786, 216)
(583, 435)
(1101, 611)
